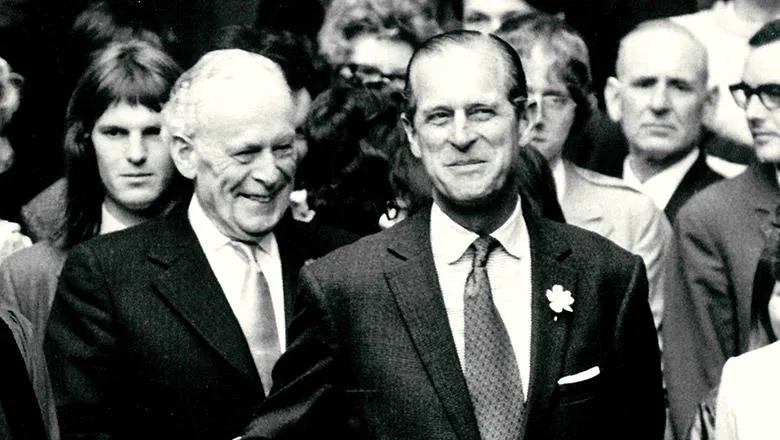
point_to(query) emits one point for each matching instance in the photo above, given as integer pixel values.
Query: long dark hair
(767, 273)
(134, 72)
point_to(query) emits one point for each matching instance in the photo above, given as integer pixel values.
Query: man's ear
(528, 117)
(710, 104)
(612, 98)
(410, 135)
(184, 157)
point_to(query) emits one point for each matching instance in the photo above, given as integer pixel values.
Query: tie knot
(245, 251)
(482, 247)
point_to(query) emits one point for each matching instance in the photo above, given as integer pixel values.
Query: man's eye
(151, 131)
(481, 114)
(284, 151)
(244, 156)
(476, 18)
(437, 118)
(113, 131)
(644, 83)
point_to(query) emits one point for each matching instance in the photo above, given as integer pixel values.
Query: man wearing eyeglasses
(720, 234)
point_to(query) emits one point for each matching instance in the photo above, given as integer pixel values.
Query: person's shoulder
(704, 19)
(126, 242)
(37, 258)
(610, 189)
(719, 198)
(585, 245)
(761, 362)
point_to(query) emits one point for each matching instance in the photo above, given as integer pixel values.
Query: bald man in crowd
(171, 329)
(659, 97)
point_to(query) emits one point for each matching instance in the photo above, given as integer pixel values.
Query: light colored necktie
(257, 318)
(490, 366)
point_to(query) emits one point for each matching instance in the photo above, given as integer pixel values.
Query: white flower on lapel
(560, 300)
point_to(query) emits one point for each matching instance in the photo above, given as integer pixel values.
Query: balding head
(218, 83)
(653, 36)
(660, 95)
(477, 46)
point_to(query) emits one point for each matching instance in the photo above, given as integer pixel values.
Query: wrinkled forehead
(663, 49)
(463, 66)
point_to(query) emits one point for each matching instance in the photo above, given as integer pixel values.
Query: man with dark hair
(473, 318)
(719, 235)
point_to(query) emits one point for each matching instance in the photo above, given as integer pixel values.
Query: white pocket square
(590, 373)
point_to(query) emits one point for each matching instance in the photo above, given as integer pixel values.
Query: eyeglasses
(769, 94)
(371, 77)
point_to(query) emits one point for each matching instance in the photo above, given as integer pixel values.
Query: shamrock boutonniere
(560, 300)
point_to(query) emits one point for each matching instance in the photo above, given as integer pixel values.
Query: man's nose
(136, 151)
(755, 109)
(660, 99)
(462, 134)
(265, 167)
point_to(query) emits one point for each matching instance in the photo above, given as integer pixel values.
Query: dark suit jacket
(142, 342)
(719, 237)
(372, 328)
(698, 177)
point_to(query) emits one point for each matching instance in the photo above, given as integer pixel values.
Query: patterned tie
(490, 367)
(257, 318)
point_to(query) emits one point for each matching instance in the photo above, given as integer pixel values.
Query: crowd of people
(398, 219)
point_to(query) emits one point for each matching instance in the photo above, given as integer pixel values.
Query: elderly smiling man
(459, 322)
(171, 329)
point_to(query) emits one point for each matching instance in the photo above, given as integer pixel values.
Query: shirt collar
(210, 237)
(559, 176)
(449, 240)
(109, 222)
(662, 186)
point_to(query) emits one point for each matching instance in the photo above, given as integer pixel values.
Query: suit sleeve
(80, 346)
(640, 405)
(699, 321)
(304, 402)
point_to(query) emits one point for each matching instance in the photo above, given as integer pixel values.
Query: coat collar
(411, 275)
(191, 289)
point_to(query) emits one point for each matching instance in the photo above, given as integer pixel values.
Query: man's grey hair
(180, 113)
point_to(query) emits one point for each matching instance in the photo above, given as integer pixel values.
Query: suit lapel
(548, 335)
(414, 282)
(698, 177)
(293, 253)
(189, 286)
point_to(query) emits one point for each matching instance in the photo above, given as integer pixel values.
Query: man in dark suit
(171, 329)
(720, 235)
(660, 96)
(473, 318)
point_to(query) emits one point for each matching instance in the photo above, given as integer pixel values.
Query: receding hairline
(662, 25)
(471, 41)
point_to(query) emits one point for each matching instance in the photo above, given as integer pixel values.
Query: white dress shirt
(662, 186)
(230, 267)
(509, 272)
(108, 222)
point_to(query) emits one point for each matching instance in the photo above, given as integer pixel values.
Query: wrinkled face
(465, 129)
(556, 109)
(245, 157)
(763, 67)
(660, 94)
(488, 15)
(134, 164)
(774, 309)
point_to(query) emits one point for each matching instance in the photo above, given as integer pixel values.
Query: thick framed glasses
(371, 77)
(769, 94)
